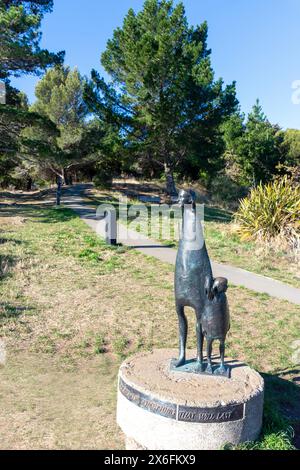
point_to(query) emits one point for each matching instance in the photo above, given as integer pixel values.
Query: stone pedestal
(162, 409)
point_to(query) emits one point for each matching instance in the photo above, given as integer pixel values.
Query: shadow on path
(12, 311)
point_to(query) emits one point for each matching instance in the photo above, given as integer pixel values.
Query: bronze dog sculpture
(196, 288)
(191, 270)
(215, 319)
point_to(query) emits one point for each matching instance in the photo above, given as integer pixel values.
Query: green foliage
(233, 130)
(59, 96)
(165, 104)
(277, 432)
(103, 180)
(270, 211)
(281, 440)
(256, 146)
(20, 36)
(100, 344)
(120, 344)
(90, 255)
(226, 190)
(59, 99)
(292, 146)
(20, 53)
(17, 152)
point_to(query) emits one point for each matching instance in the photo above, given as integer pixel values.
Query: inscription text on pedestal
(189, 414)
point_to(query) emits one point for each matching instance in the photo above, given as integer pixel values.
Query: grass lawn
(225, 245)
(71, 308)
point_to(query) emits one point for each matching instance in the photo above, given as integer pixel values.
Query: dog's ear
(192, 197)
(208, 287)
(220, 284)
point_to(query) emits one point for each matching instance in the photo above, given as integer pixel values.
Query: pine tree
(292, 147)
(20, 53)
(16, 150)
(163, 96)
(60, 98)
(260, 150)
(20, 36)
(256, 146)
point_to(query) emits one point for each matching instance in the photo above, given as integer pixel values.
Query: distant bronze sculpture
(196, 288)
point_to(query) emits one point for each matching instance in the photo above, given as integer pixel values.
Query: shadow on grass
(57, 215)
(97, 200)
(46, 213)
(24, 196)
(281, 419)
(10, 240)
(214, 214)
(6, 263)
(281, 423)
(12, 311)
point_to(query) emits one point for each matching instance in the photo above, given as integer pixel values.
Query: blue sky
(255, 42)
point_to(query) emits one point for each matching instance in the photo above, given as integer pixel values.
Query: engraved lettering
(185, 413)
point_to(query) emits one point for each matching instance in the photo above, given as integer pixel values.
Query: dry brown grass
(43, 407)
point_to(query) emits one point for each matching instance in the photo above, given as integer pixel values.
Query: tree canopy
(163, 96)
(20, 53)
(255, 145)
(292, 143)
(15, 119)
(161, 112)
(60, 98)
(20, 36)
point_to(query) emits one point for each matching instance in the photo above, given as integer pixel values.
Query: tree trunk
(29, 184)
(59, 181)
(66, 177)
(170, 183)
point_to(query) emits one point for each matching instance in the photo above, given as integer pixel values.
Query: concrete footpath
(240, 277)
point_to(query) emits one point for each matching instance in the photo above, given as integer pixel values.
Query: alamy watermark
(2, 353)
(2, 93)
(296, 93)
(136, 223)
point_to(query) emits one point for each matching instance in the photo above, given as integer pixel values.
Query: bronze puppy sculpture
(215, 320)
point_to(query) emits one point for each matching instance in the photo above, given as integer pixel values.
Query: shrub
(271, 213)
(120, 344)
(100, 344)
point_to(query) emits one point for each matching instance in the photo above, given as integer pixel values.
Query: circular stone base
(162, 409)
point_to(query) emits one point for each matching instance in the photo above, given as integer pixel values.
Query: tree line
(162, 113)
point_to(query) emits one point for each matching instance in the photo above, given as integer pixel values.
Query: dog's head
(186, 197)
(215, 286)
(220, 285)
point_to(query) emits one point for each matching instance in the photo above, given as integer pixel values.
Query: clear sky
(255, 42)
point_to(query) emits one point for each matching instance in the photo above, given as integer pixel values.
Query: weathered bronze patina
(195, 287)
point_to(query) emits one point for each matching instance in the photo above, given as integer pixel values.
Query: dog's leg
(209, 369)
(222, 352)
(222, 369)
(199, 334)
(183, 328)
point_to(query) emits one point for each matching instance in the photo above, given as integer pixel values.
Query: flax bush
(271, 213)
